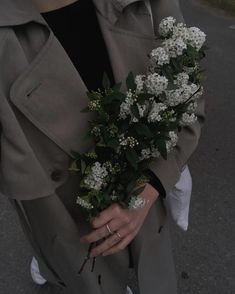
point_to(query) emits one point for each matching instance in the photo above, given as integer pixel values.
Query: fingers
(120, 245)
(105, 245)
(123, 233)
(102, 232)
(108, 214)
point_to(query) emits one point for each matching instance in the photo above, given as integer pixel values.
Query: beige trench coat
(41, 95)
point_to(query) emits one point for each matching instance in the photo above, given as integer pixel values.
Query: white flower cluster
(139, 81)
(188, 119)
(166, 26)
(94, 105)
(84, 203)
(196, 37)
(180, 31)
(159, 56)
(172, 142)
(113, 195)
(156, 84)
(175, 47)
(143, 109)
(147, 153)
(181, 79)
(136, 202)
(96, 178)
(192, 107)
(181, 95)
(178, 36)
(128, 141)
(155, 112)
(154, 152)
(125, 107)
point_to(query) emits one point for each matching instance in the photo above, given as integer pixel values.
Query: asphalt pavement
(205, 254)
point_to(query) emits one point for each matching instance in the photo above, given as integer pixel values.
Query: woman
(51, 53)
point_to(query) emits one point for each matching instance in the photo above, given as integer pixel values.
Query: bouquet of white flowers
(130, 129)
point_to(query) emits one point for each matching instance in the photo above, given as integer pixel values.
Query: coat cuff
(156, 183)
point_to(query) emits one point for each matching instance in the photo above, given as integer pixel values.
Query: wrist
(150, 194)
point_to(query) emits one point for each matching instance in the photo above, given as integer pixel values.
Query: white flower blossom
(143, 108)
(128, 141)
(159, 56)
(192, 107)
(84, 203)
(137, 202)
(95, 179)
(181, 95)
(113, 195)
(198, 94)
(175, 47)
(139, 81)
(181, 79)
(156, 84)
(191, 69)
(188, 119)
(145, 154)
(172, 142)
(155, 112)
(196, 37)
(155, 152)
(180, 31)
(125, 107)
(166, 26)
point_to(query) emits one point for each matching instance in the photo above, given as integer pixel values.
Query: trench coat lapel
(51, 88)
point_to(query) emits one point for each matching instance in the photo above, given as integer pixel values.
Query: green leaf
(144, 130)
(135, 110)
(167, 73)
(113, 143)
(130, 81)
(92, 95)
(76, 155)
(105, 81)
(132, 157)
(83, 166)
(172, 86)
(86, 109)
(74, 167)
(137, 191)
(131, 185)
(161, 145)
(176, 65)
(117, 87)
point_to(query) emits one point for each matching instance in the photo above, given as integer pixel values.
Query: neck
(49, 5)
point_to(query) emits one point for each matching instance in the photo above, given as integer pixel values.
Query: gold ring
(109, 230)
(119, 235)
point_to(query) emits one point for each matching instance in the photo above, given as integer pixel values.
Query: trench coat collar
(16, 12)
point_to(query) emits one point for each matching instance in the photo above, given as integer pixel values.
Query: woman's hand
(123, 223)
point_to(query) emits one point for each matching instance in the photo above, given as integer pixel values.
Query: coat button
(56, 175)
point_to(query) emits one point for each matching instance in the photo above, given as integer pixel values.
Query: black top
(87, 51)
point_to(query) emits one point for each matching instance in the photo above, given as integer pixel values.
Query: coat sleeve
(168, 171)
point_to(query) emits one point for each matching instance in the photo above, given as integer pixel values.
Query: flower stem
(86, 259)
